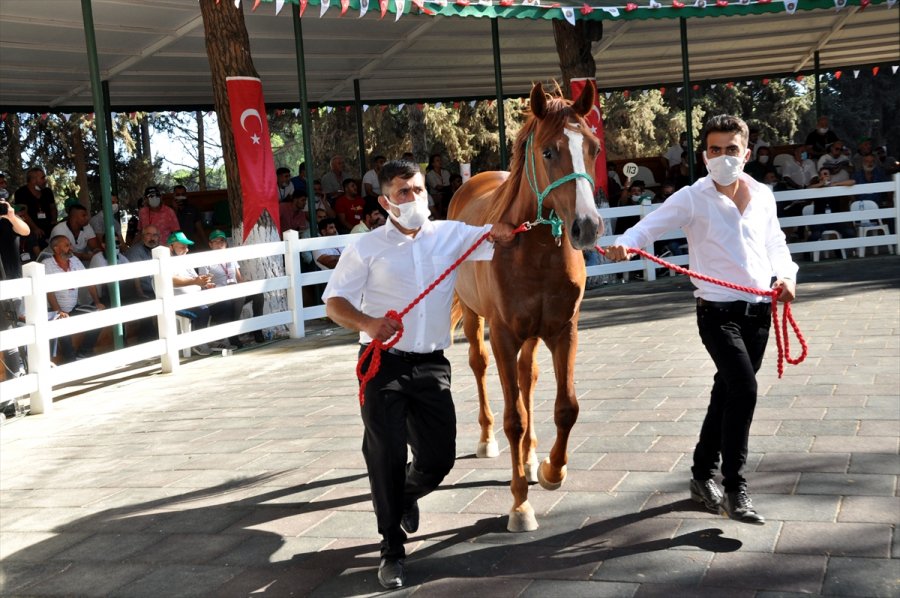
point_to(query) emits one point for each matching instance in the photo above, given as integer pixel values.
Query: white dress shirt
(745, 249)
(385, 270)
(801, 173)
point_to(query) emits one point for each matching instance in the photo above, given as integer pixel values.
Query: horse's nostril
(576, 230)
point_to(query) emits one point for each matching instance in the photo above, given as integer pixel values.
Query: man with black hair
(409, 400)
(733, 234)
(372, 217)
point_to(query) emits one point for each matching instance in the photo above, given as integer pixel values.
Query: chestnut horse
(532, 288)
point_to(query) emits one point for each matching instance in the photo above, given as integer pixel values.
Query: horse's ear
(538, 101)
(585, 101)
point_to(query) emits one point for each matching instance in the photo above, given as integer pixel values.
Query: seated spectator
(373, 217)
(225, 274)
(864, 148)
(322, 203)
(675, 154)
(98, 223)
(332, 181)
(294, 215)
(836, 162)
(157, 214)
(762, 165)
(870, 172)
(187, 280)
(371, 186)
(754, 143)
(285, 187)
(142, 288)
(890, 164)
(98, 261)
(680, 174)
(299, 181)
(827, 205)
(801, 171)
(349, 206)
(81, 236)
(437, 181)
(665, 191)
(189, 220)
(819, 139)
(327, 259)
(634, 194)
(65, 302)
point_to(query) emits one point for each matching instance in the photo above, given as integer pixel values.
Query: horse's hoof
(531, 471)
(542, 479)
(522, 519)
(487, 450)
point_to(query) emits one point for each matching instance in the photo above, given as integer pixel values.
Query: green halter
(555, 222)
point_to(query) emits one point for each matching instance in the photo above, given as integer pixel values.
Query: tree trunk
(417, 132)
(16, 174)
(79, 157)
(201, 152)
(573, 45)
(228, 51)
(145, 139)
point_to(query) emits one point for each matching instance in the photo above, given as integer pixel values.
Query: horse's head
(560, 152)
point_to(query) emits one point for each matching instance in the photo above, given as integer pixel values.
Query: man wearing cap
(157, 214)
(187, 280)
(226, 273)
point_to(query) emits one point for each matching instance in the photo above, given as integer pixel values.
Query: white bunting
(485, 2)
(323, 7)
(237, 3)
(68, 115)
(655, 4)
(531, 2)
(700, 4)
(791, 6)
(113, 115)
(839, 4)
(611, 10)
(679, 89)
(891, 3)
(743, 2)
(438, 104)
(713, 86)
(855, 74)
(279, 4)
(363, 8)
(569, 14)
(608, 93)
(400, 8)
(296, 111)
(329, 109)
(400, 106)
(894, 68)
(441, 3)
(472, 104)
(365, 107)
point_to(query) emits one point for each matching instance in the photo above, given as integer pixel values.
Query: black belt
(411, 356)
(737, 307)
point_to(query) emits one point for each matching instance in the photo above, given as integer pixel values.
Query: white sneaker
(222, 345)
(202, 350)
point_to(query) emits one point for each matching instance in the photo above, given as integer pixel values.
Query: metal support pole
(498, 84)
(686, 86)
(360, 138)
(100, 122)
(110, 138)
(817, 90)
(305, 120)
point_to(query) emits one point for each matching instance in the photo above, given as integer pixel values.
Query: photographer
(12, 228)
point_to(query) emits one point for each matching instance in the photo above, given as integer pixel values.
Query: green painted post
(686, 86)
(304, 119)
(498, 84)
(360, 137)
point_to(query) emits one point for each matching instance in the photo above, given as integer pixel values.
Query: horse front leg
(563, 347)
(528, 375)
(515, 424)
(473, 327)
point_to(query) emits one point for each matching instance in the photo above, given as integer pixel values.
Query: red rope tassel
(781, 332)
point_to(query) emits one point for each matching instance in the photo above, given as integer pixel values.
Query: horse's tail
(456, 314)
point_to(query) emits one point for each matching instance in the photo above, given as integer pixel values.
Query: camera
(4, 208)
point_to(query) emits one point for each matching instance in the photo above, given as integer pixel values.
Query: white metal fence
(38, 330)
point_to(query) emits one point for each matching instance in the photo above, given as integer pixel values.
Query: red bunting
(630, 7)
(383, 5)
(462, 2)
(586, 10)
(730, 85)
(506, 3)
(677, 4)
(662, 90)
(721, 3)
(875, 70)
(763, 1)
(302, 7)
(837, 74)
(765, 81)
(347, 109)
(3, 116)
(456, 105)
(863, 4)
(799, 78)
(696, 87)
(345, 4)
(256, 5)
(626, 94)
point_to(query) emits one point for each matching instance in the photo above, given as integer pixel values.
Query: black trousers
(408, 402)
(736, 340)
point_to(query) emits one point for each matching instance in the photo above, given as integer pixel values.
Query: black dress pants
(408, 402)
(736, 339)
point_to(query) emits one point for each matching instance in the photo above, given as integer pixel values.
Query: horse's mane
(559, 112)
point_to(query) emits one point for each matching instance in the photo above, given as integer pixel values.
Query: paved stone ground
(242, 475)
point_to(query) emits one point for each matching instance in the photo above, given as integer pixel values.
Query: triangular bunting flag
(438, 104)
(383, 4)
(345, 4)
(363, 8)
(68, 115)
(894, 68)
(365, 107)
(237, 3)
(855, 74)
(113, 115)
(296, 111)
(472, 104)
(875, 70)
(324, 5)
(611, 10)
(679, 89)
(569, 14)
(608, 93)
(400, 8)
(839, 4)
(303, 4)
(400, 106)
(655, 4)
(713, 86)
(279, 4)
(790, 6)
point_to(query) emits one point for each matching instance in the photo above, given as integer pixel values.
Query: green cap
(19, 207)
(217, 234)
(178, 237)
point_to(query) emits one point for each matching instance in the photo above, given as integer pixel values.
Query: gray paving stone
(860, 484)
(835, 539)
(561, 588)
(779, 572)
(89, 579)
(877, 463)
(805, 462)
(870, 509)
(861, 577)
(681, 567)
(178, 580)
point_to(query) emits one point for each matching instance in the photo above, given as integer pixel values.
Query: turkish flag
(594, 120)
(256, 164)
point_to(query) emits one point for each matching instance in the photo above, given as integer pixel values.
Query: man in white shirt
(186, 280)
(80, 234)
(837, 162)
(409, 400)
(98, 223)
(371, 187)
(327, 258)
(673, 154)
(372, 218)
(799, 172)
(333, 180)
(733, 235)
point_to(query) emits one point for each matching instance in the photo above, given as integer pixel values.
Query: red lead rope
(376, 346)
(781, 332)
(781, 337)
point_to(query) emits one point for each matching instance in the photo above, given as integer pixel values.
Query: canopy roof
(153, 54)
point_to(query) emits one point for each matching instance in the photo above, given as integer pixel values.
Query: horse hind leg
(528, 375)
(473, 327)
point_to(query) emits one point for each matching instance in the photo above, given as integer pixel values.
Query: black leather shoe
(737, 506)
(706, 493)
(410, 520)
(391, 574)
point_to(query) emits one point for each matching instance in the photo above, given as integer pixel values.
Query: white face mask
(413, 214)
(724, 170)
(115, 208)
(154, 201)
(763, 159)
(822, 130)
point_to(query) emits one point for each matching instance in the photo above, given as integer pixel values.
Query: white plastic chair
(646, 175)
(864, 227)
(831, 234)
(183, 323)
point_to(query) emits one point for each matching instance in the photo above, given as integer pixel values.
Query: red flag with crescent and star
(256, 164)
(594, 120)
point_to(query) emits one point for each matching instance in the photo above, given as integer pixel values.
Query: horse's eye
(548, 154)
